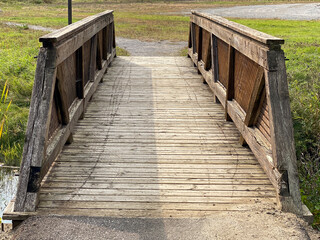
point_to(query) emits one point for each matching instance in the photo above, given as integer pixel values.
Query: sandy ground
(261, 223)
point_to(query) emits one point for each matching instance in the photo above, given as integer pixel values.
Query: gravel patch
(299, 11)
(140, 48)
(250, 225)
(33, 27)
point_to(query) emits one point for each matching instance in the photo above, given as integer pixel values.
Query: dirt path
(261, 223)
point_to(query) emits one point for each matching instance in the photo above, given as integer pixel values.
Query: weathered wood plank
(230, 88)
(252, 33)
(80, 73)
(55, 101)
(68, 39)
(255, 102)
(37, 130)
(93, 58)
(257, 51)
(282, 139)
(69, 46)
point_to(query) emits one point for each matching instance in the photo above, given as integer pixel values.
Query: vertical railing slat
(230, 80)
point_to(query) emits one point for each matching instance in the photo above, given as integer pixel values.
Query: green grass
(122, 52)
(158, 21)
(18, 47)
(183, 52)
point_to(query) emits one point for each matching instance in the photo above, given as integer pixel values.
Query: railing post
(38, 124)
(282, 138)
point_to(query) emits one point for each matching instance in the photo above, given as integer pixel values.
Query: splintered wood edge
(9, 214)
(64, 32)
(242, 29)
(306, 214)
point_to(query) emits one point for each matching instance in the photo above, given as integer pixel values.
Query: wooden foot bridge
(157, 136)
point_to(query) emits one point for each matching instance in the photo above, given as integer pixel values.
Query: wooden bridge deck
(153, 143)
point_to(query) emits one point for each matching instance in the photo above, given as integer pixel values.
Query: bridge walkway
(153, 143)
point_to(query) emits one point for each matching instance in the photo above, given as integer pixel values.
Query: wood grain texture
(245, 75)
(223, 57)
(206, 49)
(86, 61)
(230, 86)
(241, 29)
(55, 120)
(73, 29)
(282, 139)
(70, 38)
(158, 142)
(256, 51)
(261, 113)
(37, 128)
(55, 107)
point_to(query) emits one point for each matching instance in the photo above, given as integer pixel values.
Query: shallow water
(8, 187)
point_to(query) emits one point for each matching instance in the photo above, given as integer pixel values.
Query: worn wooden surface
(34, 149)
(153, 143)
(65, 80)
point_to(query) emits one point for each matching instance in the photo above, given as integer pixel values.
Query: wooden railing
(246, 71)
(70, 66)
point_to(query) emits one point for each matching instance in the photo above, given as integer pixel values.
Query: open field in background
(154, 21)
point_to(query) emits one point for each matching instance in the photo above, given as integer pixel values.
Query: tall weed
(17, 66)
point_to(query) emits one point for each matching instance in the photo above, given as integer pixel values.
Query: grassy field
(154, 21)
